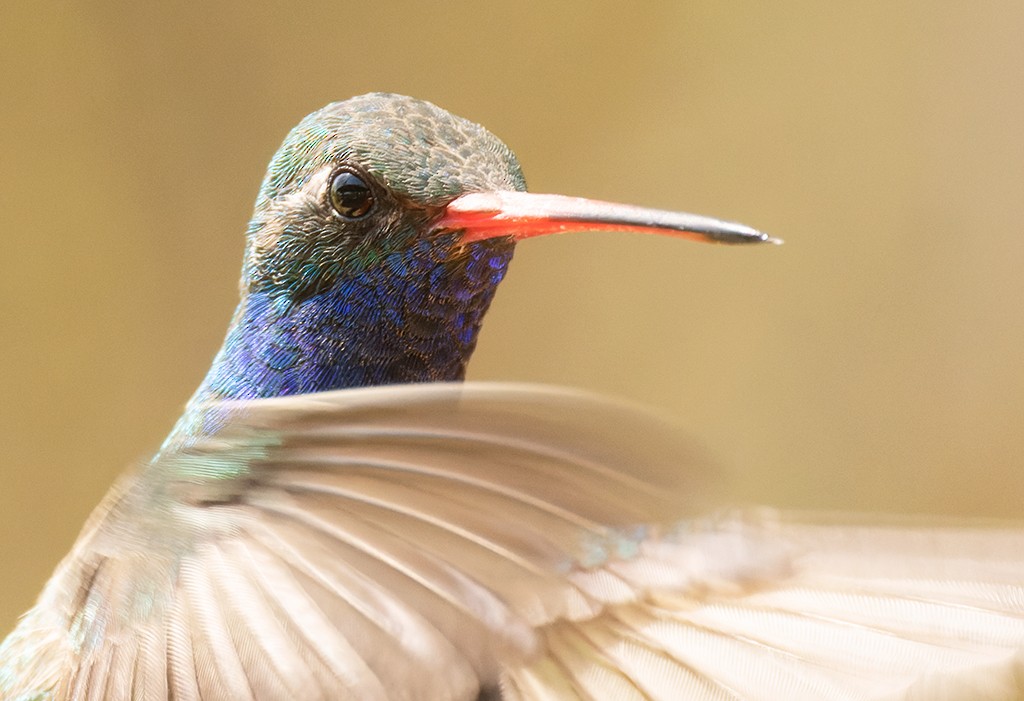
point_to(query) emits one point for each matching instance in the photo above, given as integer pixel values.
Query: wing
(846, 610)
(372, 544)
(429, 542)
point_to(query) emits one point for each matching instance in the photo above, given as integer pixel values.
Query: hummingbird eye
(350, 196)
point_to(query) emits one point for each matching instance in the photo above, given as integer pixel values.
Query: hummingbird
(337, 515)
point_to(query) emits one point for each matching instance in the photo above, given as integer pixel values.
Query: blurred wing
(384, 543)
(850, 610)
(426, 542)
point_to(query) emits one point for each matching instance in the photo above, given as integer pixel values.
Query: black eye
(350, 195)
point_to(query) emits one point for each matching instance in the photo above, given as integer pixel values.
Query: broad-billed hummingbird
(337, 516)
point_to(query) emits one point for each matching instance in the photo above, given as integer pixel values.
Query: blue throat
(412, 317)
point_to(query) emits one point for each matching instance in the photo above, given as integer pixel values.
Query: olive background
(872, 363)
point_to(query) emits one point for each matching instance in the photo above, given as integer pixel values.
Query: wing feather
(218, 663)
(182, 676)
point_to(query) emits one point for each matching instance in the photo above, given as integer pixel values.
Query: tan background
(871, 363)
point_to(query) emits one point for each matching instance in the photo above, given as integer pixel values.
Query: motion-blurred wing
(426, 542)
(373, 544)
(853, 611)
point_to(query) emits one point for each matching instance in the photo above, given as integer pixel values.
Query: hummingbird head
(380, 234)
(364, 180)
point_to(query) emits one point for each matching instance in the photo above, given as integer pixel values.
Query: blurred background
(873, 363)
